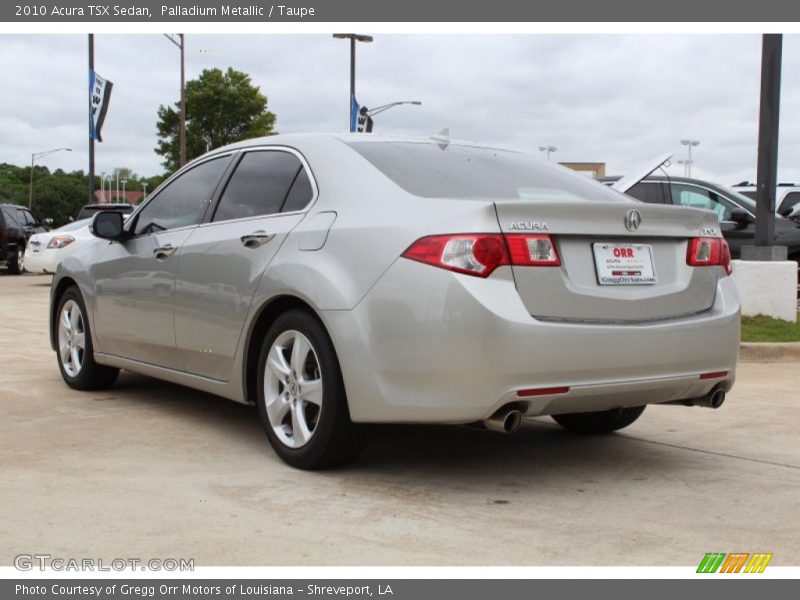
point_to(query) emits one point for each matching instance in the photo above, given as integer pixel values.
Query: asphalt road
(153, 470)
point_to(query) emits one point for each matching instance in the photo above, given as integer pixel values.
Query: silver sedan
(340, 280)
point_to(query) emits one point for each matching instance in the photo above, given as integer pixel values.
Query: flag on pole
(99, 97)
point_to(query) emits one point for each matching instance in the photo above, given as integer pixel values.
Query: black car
(736, 212)
(89, 210)
(17, 224)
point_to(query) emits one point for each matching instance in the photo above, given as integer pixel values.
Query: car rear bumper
(43, 261)
(427, 345)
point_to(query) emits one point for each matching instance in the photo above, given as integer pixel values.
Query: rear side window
(454, 171)
(652, 193)
(261, 184)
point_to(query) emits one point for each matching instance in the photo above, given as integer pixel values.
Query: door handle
(256, 239)
(164, 251)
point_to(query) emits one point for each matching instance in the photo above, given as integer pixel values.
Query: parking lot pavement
(153, 470)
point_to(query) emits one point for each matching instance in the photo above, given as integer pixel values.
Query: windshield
(740, 198)
(454, 171)
(74, 225)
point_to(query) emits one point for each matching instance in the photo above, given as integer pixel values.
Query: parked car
(45, 251)
(736, 212)
(340, 280)
(787, 197)
(17, 224)
(90, 210)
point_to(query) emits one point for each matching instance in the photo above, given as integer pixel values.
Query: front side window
(27, 218)
(695, 197)
(263, 182)
(184, 200)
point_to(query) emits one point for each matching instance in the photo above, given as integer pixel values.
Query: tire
(604, 421)
(76, 363)
(17, 265)
(301, 397)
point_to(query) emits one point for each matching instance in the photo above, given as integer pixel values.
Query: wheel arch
(63, 284)
(266, 316)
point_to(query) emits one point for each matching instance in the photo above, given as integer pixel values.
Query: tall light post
(144, 190)
(123, 182)
(547, 150)
(686, 167)
(689, 144)
(34, 156)
(353, 37)
(180, 42)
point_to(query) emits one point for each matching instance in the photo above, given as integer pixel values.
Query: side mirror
(108, 225)
(741, 217)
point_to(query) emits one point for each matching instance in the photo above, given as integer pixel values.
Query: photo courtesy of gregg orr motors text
(187, 589)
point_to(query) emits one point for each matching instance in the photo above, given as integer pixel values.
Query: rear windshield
(437, 171)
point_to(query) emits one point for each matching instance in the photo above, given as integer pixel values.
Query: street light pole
(144, 190)
(34, 156)
(353, 37)
(689, 144)
(547, 150)
(124, 181)
(182, 118)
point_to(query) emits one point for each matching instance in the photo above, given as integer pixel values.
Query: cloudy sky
(607, 98)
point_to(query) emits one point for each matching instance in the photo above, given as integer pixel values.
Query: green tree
(221, 108)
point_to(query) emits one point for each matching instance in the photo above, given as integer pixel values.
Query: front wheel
(74, 346)
(604, 421)
(301, 396)
(17, 265)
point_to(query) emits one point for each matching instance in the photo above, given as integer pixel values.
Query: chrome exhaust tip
(505, 420)
(716, 399)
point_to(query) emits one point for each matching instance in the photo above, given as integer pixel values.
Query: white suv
(787, 197)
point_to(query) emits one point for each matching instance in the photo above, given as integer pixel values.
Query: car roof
(301, 140)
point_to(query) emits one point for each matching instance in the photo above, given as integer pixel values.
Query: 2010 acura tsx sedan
(341, 280)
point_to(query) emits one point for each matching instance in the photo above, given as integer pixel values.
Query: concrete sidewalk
(153, 470)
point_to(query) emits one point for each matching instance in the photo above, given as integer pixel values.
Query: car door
(694, 196)
(223, 260)
(134, 279)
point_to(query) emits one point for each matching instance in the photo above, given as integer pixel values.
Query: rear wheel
(74, 346)
(604, 421)
(301, 396)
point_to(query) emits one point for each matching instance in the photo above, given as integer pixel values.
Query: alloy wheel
(293, 388)
(71, 338)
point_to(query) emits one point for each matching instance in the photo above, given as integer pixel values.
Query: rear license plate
(624, 264)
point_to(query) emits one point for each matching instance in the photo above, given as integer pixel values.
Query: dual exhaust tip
(509, 418)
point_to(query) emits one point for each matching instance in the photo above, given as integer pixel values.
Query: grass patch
(766, 329)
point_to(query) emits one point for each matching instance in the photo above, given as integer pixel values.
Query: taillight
(709, 252)
(59, 241)
(533, 250)
(481, 253)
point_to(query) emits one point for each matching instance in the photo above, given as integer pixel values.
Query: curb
(768, 351)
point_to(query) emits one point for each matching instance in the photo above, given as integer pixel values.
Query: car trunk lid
(592, 283)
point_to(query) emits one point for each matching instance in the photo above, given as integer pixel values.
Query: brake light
(481, 253)
(709, 252)
(59, 241)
